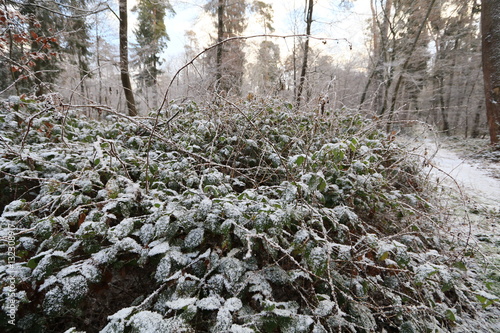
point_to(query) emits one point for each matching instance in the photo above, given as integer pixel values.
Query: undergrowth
(236, 217)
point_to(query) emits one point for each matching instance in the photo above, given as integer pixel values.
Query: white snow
(209, 303)
(233, 304)
(159, 248)
(470, 177)
(181, 303)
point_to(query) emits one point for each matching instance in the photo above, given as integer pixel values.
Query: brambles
(243, 218)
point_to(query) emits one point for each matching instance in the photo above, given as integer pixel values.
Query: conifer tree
(151, 35)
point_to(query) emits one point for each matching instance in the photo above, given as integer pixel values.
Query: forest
(249, 166)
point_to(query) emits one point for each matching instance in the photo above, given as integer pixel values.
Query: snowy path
(474, 180)
(469, 191)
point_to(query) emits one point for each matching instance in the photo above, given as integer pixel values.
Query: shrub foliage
(236, 217)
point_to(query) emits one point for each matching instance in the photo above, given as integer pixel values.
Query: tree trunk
(124, 73)
(442, 106)
(490, 30)
(405, 67)
(380, 45)
(310, 6)
(220, 37)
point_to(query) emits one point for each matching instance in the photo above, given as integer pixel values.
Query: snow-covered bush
(252, 219)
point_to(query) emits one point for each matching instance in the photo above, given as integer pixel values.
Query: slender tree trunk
(310, 6)
(442, 106)
(490, 30)
(124, 73)
(220, 37)
(475, 127)
(405, 67)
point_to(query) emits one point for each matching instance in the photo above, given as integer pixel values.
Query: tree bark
(490, 31)
(310, 6)
(124, 73)
(220, 37)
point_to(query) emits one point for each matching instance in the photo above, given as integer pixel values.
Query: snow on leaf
(74, 287)
(48, 263)
(300, 323)
(296, 160)
(235, 328)
(128, 245)
(122, 313)
(181, 303)
(425, 271)
(147, 321)
(73, 330)
(223, 321)
(105, 256)
(122, 230)
(324, 308)
(158, 248)
(233, 304)
(163, 269)
(209, 303)
(232, 269)
(89, 229)
(48, 282)
(276, 274)
(204, 208)
(146, 233)
(259, 284)
(53, 302)
(194, 238)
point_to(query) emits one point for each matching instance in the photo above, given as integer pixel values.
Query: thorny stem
(191, 62)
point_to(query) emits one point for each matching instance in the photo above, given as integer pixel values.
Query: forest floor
(466, 177)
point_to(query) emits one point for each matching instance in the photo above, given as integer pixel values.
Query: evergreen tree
(152, 37)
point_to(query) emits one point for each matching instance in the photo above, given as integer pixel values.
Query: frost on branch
(216, 228)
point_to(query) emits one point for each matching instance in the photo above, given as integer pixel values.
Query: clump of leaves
(243, 218)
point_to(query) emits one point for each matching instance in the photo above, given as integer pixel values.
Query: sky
(331, 21)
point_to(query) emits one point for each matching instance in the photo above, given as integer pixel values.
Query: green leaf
(446, 287)
(450, 315)
(384, 256)
(460, 265)
(299, 160)
(32, 263)
(353, 144)
(486, 299)
(322, 184)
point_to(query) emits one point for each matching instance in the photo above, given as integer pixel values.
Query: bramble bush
(236, 217)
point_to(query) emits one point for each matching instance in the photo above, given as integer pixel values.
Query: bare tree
(490, 30)
(124, 72)
(309, 12)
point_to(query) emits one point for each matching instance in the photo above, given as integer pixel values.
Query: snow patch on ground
(474, 179)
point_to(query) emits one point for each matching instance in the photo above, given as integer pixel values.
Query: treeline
(423, 61)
